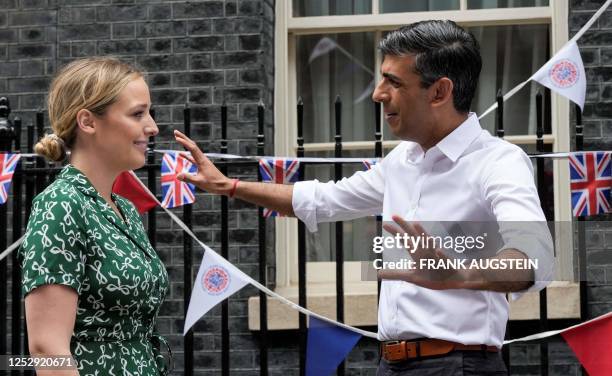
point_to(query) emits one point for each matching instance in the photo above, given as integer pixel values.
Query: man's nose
(379, 94)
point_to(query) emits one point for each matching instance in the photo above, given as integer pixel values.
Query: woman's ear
(86, 121)
(442, 92)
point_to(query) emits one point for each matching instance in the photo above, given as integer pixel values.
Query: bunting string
(258, 285)
(321, 159)
(266, 290)
(579, 34)
(591, 21)
(371, 161)
(296, 306)
(303, 310)
(11, 248)
(308, 312)
(551, 333)
(356, 160)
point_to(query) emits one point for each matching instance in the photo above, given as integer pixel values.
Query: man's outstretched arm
(277, 197)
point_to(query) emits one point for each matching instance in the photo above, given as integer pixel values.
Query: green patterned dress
(74, 238)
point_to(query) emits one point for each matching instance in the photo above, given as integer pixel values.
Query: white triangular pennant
(217, 280)
(564, 74)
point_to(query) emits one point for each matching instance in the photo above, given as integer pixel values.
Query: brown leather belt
(396, 351)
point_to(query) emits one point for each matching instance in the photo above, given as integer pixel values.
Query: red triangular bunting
(128, 186)
(592, 345)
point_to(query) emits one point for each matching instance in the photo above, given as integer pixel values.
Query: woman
(92, 282)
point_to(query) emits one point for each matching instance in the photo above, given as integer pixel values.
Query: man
(447, 169)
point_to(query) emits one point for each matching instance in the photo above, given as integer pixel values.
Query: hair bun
(51, 147)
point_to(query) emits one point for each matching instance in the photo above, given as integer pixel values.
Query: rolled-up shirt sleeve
(511, 192)
(354, 197)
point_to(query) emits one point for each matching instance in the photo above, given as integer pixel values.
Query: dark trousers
(457, 363)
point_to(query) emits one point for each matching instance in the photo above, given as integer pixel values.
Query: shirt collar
(451, 146)
(456, 142)
(75, 177)
(72, 175)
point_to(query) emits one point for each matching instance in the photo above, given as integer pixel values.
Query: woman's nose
(151, 128)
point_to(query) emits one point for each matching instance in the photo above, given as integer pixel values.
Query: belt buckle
(394, 351)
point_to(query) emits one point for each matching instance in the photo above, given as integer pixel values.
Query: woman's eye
(139, 114)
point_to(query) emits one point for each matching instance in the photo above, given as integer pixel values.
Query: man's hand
(432, 278)
(509, 280)
(208, 177)
(277, 197)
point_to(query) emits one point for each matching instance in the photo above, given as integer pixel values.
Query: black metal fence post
(225, 340)
(152, 185)
(17, 223)
(582, 260)
(301, 246)
(6, 140)
(541, 192)
(339, 226)
(261, 224)
(500, 114)
(29, 196)
(188, 262)
(499, 125)
(378, 153)
(41, 163)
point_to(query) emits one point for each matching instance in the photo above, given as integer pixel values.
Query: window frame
(285, 101)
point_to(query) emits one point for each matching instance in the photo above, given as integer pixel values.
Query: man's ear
(86, 121)
(441, 92)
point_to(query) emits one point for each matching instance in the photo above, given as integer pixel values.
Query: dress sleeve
(53, 250)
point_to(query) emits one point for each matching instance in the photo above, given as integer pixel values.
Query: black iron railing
(33, 174)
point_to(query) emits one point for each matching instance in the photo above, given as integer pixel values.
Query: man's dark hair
(441, 49)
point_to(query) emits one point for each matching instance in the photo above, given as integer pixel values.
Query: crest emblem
(216, 280)
(564, 74)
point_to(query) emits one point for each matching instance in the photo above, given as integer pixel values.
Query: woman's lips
(141, 145)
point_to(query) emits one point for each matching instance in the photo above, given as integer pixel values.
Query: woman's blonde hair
(93, 84)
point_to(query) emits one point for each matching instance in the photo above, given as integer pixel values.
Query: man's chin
(402, 137)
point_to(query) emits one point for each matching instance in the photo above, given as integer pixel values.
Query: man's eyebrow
(391, 76)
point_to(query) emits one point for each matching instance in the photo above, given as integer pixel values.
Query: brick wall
(202, 53)
(197, 52)
(596, 50)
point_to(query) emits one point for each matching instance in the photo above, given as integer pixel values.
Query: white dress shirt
(468, 176)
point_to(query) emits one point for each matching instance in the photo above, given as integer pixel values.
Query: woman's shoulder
(58, 189)
(60, 197)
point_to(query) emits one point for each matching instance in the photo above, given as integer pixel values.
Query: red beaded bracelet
(232, 192)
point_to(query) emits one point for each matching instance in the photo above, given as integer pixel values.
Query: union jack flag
(368, 164)
(175, 192)
(590, 181)
(8, 162)
(279, 171)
